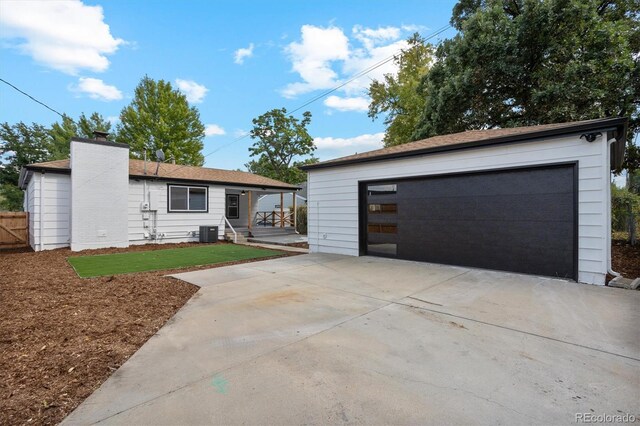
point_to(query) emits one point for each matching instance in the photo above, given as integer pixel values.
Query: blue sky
(233, 60)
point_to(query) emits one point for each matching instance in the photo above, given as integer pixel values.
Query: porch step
(241, 238)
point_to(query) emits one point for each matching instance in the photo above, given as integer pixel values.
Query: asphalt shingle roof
(181, 172)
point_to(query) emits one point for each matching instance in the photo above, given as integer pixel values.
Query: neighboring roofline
(602, 125)
(67, 171)
(99, 142)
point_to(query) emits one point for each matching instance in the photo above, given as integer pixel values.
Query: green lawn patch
(156, 260)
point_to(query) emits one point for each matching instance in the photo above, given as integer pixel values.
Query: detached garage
(532, 200)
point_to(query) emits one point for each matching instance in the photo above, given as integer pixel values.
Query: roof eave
(66, 171)
(603, 125)
(214, 182)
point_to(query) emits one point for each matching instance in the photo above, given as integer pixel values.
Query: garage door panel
(518, 220)
(547, 207)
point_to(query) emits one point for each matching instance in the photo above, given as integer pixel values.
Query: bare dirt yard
(625, 259)
(62, 336)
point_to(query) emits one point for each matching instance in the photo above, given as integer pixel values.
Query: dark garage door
(519, 220)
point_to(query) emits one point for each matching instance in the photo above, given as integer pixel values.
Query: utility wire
(32, 98)
(328, 92)
(309, 102)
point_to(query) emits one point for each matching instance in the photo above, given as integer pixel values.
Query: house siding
(170, 227)
(55, 230)
(333, 192)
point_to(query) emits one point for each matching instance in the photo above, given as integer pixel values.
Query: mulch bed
(62, 336)
(625, 259)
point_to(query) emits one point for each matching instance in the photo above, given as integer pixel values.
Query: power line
(328, 92)
(365, 71)
(32, 98)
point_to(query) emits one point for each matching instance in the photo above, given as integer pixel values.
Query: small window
(382, 228)
(382, 189)
(187, 199)
(233, 206)
(383, 208)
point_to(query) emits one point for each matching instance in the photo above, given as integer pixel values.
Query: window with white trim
(187, 199)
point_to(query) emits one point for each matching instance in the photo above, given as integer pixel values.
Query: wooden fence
(14, 230)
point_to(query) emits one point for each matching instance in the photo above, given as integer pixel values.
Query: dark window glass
(382, 228)
(178, 198)
(197, 199)
(383, 208)
(187, 199)
(233, 210)
(388, 249)
(382, 189)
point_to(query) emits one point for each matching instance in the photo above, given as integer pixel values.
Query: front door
(233, 206)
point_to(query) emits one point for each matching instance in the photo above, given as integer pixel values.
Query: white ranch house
(101, 198)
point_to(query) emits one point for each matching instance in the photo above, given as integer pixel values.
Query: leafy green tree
(281, 143)
(62, 132)
(159, 117)
(527, 62)
(20, 144)
(399, 97)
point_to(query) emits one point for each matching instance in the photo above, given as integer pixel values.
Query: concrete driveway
(330, 339)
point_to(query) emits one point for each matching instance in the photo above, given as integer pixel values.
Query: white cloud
(213, 130)
(311, 58)
(194, 92)
(358, 103)
(326, 57)
(241, 54)
(97, 89)
(68, 36)
(365, 142)
(113, 119)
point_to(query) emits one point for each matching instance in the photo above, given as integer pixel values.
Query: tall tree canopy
(62, 132)
(527, 62)
(399, 96)
(281, 143)
(20, 144)
(159, 117)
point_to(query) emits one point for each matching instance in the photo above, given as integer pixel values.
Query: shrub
(301, 212)
(625, 211)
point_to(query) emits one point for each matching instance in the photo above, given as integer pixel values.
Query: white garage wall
(333, 192)
(176, 227)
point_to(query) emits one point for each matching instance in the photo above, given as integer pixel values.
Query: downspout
(608, 238)
(41, 211)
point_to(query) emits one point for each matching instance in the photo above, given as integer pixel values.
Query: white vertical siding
(175, 227)
(333, 192)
